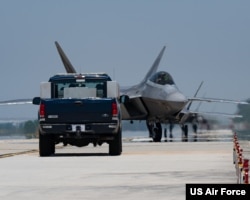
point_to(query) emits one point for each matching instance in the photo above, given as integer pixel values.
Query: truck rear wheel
(46, 145)
(115, 146)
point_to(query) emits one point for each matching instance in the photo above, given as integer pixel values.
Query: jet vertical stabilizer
(67, 64)
(154, 67)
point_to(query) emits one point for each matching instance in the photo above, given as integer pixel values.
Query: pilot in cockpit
(162, 79)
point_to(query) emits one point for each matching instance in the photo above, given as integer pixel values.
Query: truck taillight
(42, 110)
(114, 109)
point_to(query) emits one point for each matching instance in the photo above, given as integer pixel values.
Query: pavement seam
(18, 153)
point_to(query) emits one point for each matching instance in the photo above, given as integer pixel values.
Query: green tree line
(244, 110)
(243, 124)
(28, 129)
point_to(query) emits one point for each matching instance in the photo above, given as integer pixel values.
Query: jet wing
(67, 65)
(188, 116)
(217, 114)
(217, 100)
(16, 102)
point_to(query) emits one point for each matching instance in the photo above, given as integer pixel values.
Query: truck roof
(65, 76)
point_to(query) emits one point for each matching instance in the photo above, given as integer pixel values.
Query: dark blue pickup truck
(79, 109)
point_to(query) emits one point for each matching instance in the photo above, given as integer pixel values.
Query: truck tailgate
(78, 110)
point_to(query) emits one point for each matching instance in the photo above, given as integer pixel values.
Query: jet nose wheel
(155, 131)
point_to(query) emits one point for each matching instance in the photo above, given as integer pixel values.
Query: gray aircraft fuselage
(157, 99)
(163, 102)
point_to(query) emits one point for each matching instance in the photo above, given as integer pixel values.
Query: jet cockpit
(162, 78)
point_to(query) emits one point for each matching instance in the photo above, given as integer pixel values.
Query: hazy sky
(206, 40)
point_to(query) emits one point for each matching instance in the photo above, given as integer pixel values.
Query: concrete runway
(143, 171)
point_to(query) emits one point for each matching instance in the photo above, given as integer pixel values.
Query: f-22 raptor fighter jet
(156, 99)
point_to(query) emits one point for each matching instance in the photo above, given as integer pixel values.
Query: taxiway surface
(143, 171)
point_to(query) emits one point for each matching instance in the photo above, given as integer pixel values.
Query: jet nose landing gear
(184, 133)
(155, 131)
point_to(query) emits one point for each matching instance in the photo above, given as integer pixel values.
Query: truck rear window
(80, 89)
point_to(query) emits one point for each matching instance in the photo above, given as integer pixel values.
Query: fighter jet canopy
(162, 78)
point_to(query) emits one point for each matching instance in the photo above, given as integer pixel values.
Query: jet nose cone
(177, 96)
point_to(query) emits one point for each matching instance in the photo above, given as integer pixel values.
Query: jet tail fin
(154, 67)
(67, 64)
(189, 105)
